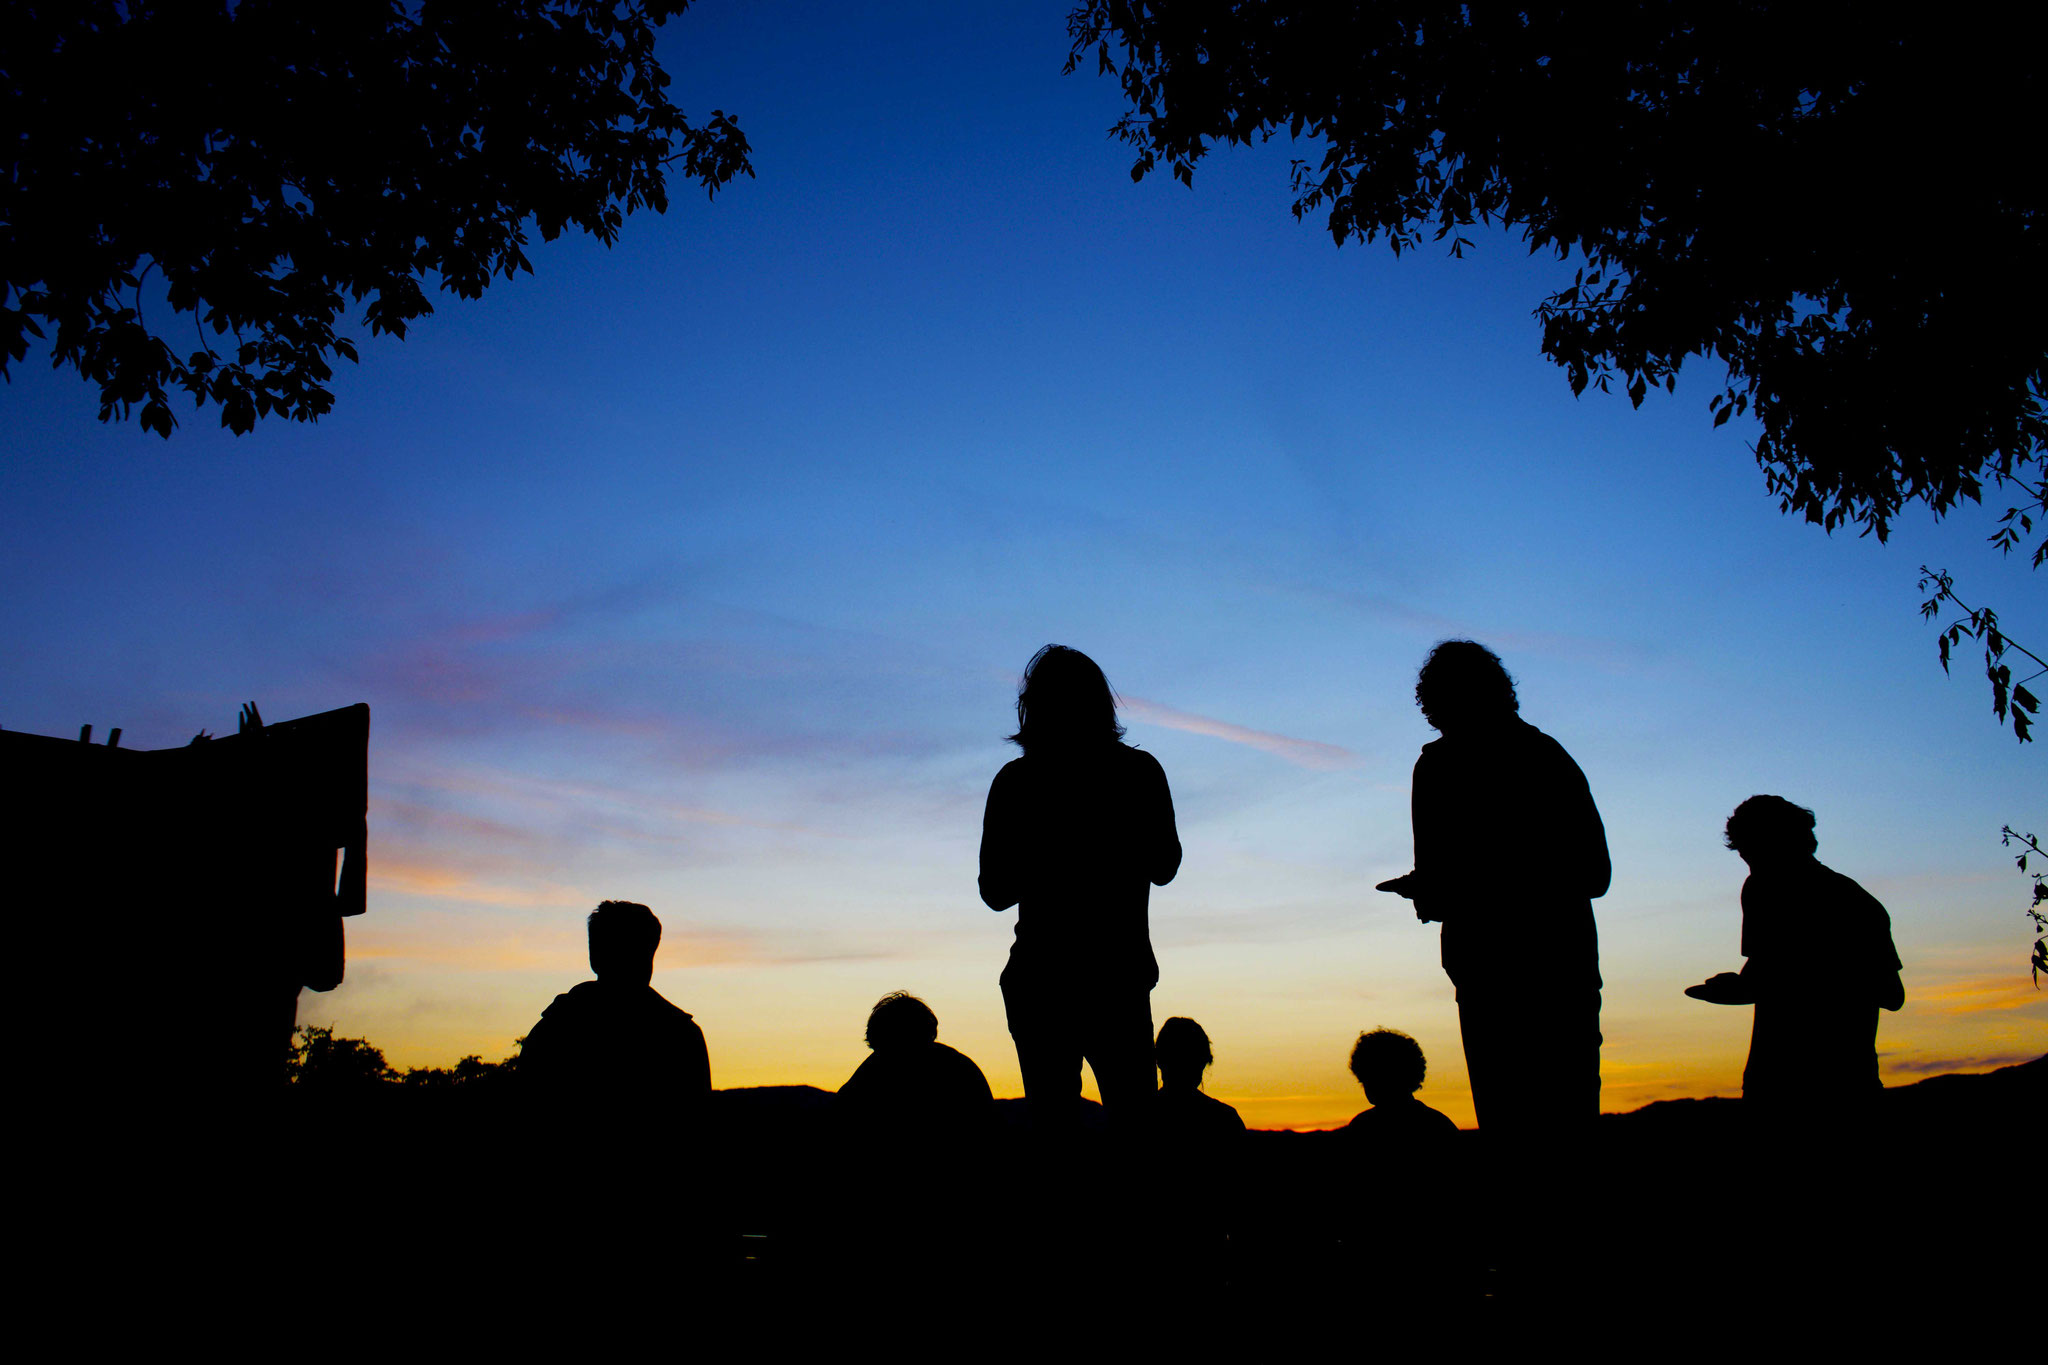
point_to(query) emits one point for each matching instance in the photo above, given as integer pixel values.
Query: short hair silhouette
(1388, 1061)
(1183, 1046)
(1771, 824)
(1064, 699)
(1463, 679)
(623, 937)
(900, 1019)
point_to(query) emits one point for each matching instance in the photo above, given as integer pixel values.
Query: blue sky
(699, 571)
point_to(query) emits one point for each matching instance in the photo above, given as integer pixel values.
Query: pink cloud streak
(1303, 753)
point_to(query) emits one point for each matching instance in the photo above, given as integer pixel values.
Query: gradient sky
(700, 571)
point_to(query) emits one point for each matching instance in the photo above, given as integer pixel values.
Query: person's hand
(250, 718)
(1723, 988)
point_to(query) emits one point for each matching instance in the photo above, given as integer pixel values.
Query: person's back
(1075, 839)
(1075, 835)
(913, 1089)
(1546, 855)
(1400, 1126)
(615, 1044)
(1820, 961)
(916, 1127)
(1403, 1200)
(1194, 1149)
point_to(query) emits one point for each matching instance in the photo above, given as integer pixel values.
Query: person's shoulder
(959, 1064)
(669, 1010)
(1541, 741)
(1846, 888)
(1221, 1114)
(951, 1056)
(1436, 1119)
(575, 1000)
(863, 1076)
(1011, 773)
(1134, 757)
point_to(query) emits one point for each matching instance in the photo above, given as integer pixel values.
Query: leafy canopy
(256, 164)
(1843, 203)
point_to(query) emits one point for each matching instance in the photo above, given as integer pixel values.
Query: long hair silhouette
(1064, 702)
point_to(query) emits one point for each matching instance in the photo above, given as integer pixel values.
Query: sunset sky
(700, 571)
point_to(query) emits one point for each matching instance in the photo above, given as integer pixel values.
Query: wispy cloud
(1305, 753)
(1932, 1066)
(617, 809)
(557, 943)
(401, 877)
(1975, 995)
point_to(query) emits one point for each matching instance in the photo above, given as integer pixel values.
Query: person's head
(1462, 682)
(899, 1019)
(1183, 1054)
(1064, 701)
(1769, 829)
(1388, 1064)
(623, 937)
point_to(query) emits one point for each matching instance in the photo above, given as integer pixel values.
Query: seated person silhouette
(912, 1131)
(912, 1085)
(1194, 1147)
(1390, 1066)
(614, 1046)
(1820, 963)
(1404, 1207)
(1181, 1114)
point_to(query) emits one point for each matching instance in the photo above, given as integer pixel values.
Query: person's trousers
(1056, 1027)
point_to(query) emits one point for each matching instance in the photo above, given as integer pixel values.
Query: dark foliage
(259, 164)
(1840, 202)
(319, 1060)
(2010, 699)
(2030, 847)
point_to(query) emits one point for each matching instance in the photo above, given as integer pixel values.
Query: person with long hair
(1076, 834)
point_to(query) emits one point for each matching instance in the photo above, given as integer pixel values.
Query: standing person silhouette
(1509, 856)
(1076, 834)
(1820, 966)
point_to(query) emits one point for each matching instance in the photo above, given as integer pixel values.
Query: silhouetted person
(1194, 1148)
(1509, 855)
(1403, 1201)
(911, 1139)
(912, 1087)
(1820, 964)
(1076, 834)
(1390, 1066)
(1182, 1116)
(614, 1046)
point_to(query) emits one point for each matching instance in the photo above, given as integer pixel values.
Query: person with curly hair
(1510, 854)
(1821, 963)
(1389, 1067)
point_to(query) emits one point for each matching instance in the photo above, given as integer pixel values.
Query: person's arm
(1163, 839)
(1429, 821)
(1888, 986)
(1591, 868)
(1001, 878)
(696, 1067)
(537, 1055)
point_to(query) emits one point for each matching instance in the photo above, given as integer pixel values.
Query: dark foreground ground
(466, 1223)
